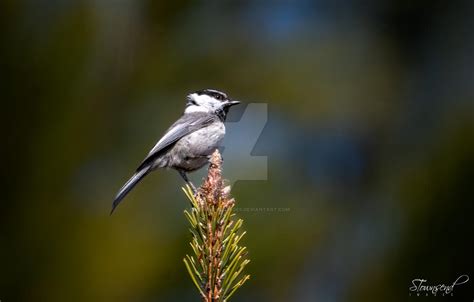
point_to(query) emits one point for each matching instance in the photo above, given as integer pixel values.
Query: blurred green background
(370, 144)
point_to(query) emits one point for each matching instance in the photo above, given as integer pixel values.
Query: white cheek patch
(194, 108)
(204, 102)
(204, 99)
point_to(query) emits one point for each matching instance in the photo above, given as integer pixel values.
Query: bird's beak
(232, 103)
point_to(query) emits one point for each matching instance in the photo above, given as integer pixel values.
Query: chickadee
(189, 142)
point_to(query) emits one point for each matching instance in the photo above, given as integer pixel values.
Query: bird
(188, 144)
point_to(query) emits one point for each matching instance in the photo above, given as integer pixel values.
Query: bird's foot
(188, 182)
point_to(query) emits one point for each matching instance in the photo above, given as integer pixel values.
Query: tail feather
(128, 186)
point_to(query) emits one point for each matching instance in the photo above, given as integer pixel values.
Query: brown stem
(212, 197)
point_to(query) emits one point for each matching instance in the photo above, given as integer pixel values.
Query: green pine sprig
(218, 261)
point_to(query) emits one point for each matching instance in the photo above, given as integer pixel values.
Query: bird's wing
(187, 124)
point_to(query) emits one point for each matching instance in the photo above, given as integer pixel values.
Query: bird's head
(210, 101)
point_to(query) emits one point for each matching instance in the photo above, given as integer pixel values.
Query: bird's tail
(128, 186)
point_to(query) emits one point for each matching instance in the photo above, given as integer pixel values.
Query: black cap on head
(213, 93)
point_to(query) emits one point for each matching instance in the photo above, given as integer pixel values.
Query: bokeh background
(369, 140)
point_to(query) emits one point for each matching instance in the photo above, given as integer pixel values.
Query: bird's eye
(218, 96)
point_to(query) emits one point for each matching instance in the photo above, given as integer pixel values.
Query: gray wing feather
(187, 124)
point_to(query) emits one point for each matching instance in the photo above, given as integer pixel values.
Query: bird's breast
(191, 152)
(204, 141)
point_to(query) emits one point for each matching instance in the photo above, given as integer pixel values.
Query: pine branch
(216, 268)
